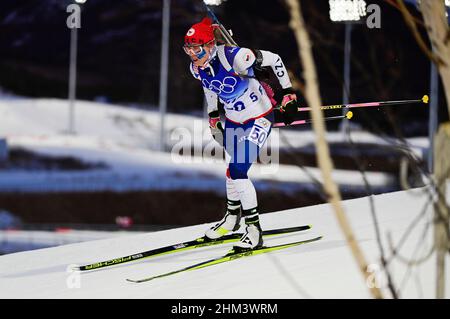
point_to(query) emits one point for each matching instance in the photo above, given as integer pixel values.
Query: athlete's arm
(213, 113)
(211, 100)
(211, 97)
(214, 118)
(247, 58)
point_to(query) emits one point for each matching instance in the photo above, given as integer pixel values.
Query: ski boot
(230, 222)
(253, 233)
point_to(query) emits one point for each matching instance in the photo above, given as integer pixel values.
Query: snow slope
(135, 169)
(14, 240)
(323, 269)
(139, 128)
(125, 140)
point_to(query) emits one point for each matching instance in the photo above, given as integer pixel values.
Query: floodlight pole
(346, 87)
(433, 113)
(72, 78)
(73, 70)
(164, 73)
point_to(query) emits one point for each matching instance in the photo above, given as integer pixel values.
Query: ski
(233, 254)
(196, 243)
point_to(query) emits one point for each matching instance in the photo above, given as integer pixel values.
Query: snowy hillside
(20, 117)
(15, 240)
(324, 269)
(125, 139)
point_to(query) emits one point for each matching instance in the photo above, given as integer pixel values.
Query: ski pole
(348, 116)
(424, 100)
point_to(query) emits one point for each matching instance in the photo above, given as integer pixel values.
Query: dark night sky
(119, 52)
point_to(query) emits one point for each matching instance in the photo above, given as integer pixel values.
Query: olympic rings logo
(227, 86)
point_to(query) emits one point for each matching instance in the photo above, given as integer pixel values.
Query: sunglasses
(197, 50)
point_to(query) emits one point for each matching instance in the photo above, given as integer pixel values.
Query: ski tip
(425, 99)
(131, 280)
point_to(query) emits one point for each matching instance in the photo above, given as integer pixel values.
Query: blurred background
(89, 125)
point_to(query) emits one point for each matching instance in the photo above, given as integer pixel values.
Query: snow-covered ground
(134, 127)
(126, 141)
(14, 240)
(323, 269)
(134, 169)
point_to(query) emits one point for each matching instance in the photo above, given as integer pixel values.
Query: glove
(288, 104)
(216, 127)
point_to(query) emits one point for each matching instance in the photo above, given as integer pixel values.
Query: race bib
(260, 131)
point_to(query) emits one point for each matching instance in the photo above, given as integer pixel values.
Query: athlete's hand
(288, 105)
(216, 127)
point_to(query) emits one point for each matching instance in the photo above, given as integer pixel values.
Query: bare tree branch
(325, 163)
(420, 41)
(438, 31)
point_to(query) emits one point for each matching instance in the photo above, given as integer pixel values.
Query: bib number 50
(260, 131)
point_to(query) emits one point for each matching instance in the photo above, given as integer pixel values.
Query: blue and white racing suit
(248, 109)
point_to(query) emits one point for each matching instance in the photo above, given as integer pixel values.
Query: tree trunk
(433, 12)
(441, 215)
(323, 154)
